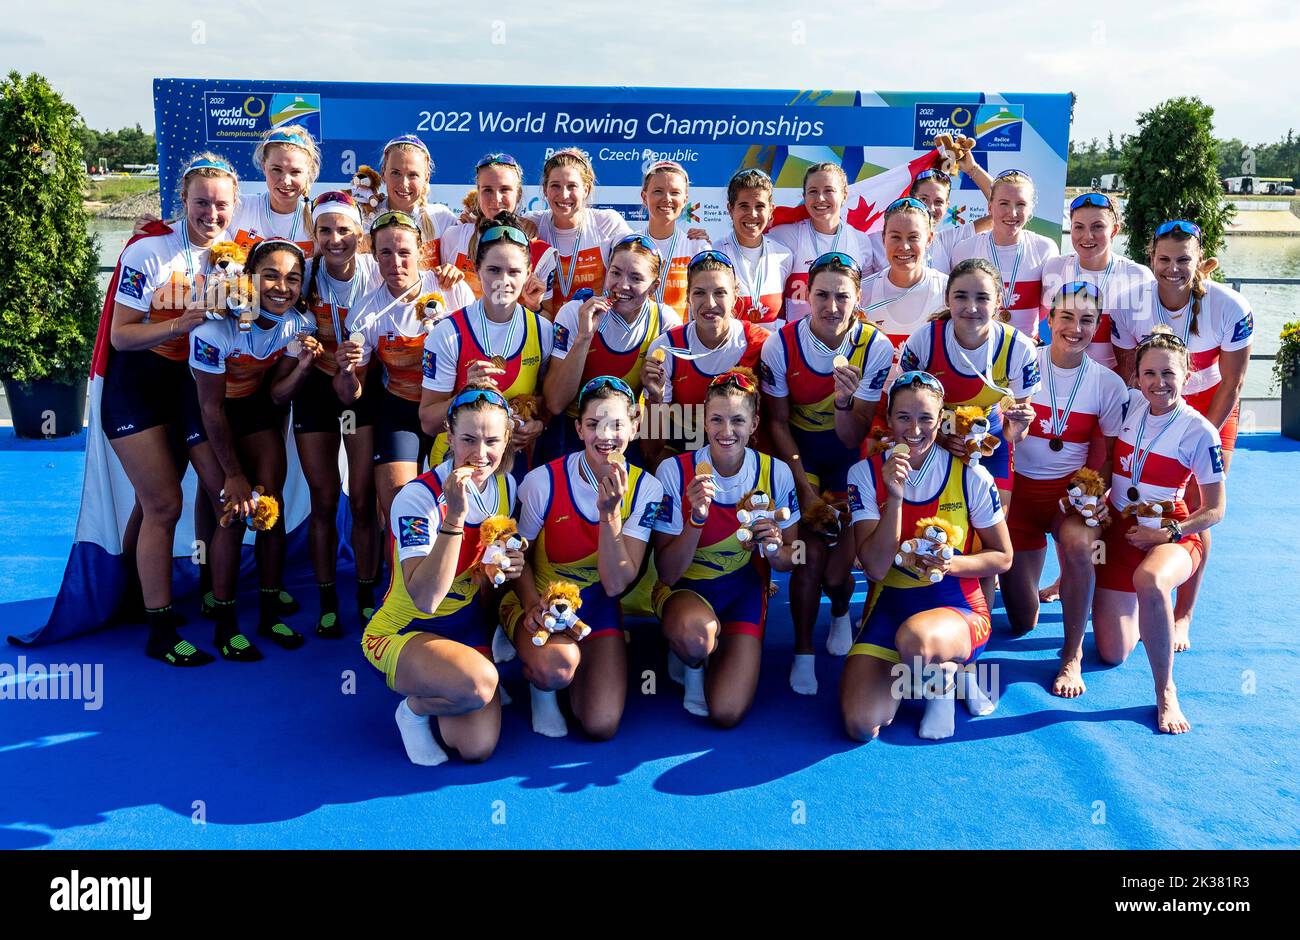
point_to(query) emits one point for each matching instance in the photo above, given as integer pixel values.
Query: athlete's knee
(862, 728)
(162, 508)
(474, 687)
(324, 503)
(692, 637)
(553, 673)
(1149, 581)
(600, 726)
(1111, 647)
(727, 714)
(475, 752)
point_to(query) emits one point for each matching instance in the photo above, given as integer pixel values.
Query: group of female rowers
(807, 361)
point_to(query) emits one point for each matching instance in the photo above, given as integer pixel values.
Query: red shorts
(1035, 505)
(1200, 402)
(1122, 558)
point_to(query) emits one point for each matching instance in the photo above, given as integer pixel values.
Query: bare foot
(1182, 634)
(1168, 715)
(1069, 680)
(1052, 592)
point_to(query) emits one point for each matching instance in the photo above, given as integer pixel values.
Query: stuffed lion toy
(430, 308)
(952, 152)
(826, 516)
(969, 423)
(524, 408)
(266, 511)
(1150, 515)
(366, 184)
(934, 539)
(496, 536)
(753, 506)
(1083, 496)
(560, 602)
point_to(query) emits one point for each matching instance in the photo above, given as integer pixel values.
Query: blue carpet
(301, 750)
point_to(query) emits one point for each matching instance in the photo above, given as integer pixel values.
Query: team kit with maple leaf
(550, 421)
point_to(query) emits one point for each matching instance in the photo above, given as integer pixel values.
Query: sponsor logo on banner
(993, 126)
(234, 116)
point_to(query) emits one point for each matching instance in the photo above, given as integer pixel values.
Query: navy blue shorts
(398, 436)
(316, 407)
(144, 390)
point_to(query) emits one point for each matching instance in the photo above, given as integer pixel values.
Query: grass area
(118, 187)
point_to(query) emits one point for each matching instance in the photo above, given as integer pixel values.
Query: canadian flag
(868, 198)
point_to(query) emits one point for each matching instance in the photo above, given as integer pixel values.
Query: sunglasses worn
(907, 379)
(836, 259)
(606, 381)
(738, 379)
(710, 254)
(1079, 287)
(495, 159)
(508, 232)
(1092, 199)
(392, 217)
(1180, 225)
(469, 396)
(907, 201)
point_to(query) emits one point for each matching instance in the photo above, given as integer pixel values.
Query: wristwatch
(1175, 530)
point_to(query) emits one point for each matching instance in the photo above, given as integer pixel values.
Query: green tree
(1171, 171)
(49, 299)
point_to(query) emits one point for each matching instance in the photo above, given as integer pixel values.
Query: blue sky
(1119, 57)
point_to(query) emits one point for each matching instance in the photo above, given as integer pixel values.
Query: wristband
(848, 407)
(696, 525)
(442, 531)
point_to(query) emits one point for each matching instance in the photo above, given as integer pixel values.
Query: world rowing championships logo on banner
(233, 116)
(994, 126)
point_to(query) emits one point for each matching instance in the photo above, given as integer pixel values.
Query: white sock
(940, 718)
(676, 668)
(694, 701)
(417, 737)
(547, 718)
(968, 687)
(502, 650)
(803, 674)
(840, 640)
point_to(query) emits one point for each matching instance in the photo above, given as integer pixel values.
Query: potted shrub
(1285, 376)
(49, 298)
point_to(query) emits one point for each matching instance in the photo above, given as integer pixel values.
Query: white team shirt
(1099, 403)
(416, 515)
(535, 498)
(1188, 448)
(728, 491)
(901, 311)
(760, 277)
(600, 229)
(1027, 291)
(1127, 295)
(619, 335)
(983, 505)
(1022, 360)
(1225, 324)
(255, 216)
(444, 343)
(710, 361)
(212, 342)
(875, 366)
(379, 312)
(149, 263)
(806, 245)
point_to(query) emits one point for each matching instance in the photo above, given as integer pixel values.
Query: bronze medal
(1056, 444)
(499, 362)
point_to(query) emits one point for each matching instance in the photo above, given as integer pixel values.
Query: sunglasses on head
(835, 259)
(645, 241)
(471, 395)
(905, 202)
(710, 254)
(334, 196)
(1011, 172)
(606, 381)
(732, 377)
(496, 159)
(1173, 339)
(930, 174)
(1080, 287)
(1179, 225)
(1092, 199)
(392, 217)
(753, 170)
(908, 379)
(497, 232)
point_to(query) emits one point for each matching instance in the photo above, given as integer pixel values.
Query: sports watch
(1175, 531)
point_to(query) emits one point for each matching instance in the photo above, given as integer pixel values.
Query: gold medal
(839, 362)
(499, 362)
